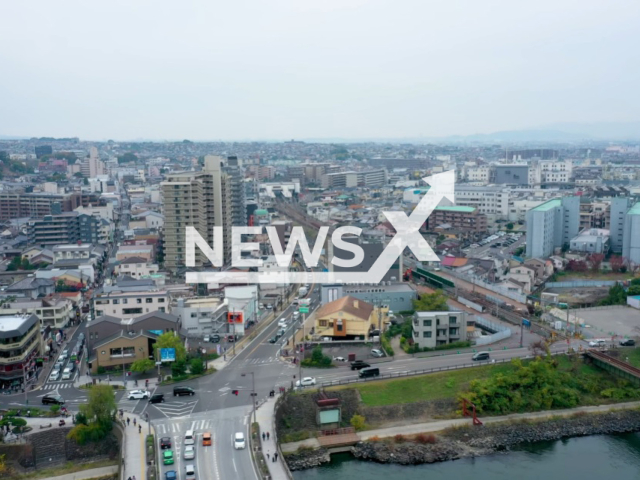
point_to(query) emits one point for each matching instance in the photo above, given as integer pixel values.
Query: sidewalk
(92, 473)
(265, 416)
(455, 422)
(134, 447)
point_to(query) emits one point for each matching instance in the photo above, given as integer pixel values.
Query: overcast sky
(282, 69)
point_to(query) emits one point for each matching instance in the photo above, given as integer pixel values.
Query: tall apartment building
(37, 205)
(92, 166)
(200, 199)
(617, 213)
(553, 171)
(631, 238)
(64, 228)
(20, 344)
(552, 225)
(234, 170)
(463, 219)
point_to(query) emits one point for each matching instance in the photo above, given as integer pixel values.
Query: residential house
(31, 287)
(128, 304)
(136, 267)
(347, 318)
(431, 329)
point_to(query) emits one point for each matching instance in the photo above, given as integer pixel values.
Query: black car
(214, 338)
(179, 391)
(157, 398)
(627, 342)
(54, 399)
(359, 364)
(273, 339)
(165, 442)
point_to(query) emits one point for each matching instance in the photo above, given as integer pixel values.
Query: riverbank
(469, 441)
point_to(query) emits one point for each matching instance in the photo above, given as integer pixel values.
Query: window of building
(149, 300)
(426, 334)
(426, 323)
(138, 300)
(161, 300)
(322, 323)
(131, 311)
(116, 301)
(453, 320)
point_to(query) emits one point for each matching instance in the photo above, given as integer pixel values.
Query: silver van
(481, 356)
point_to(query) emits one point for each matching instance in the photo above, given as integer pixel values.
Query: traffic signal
(234, 392)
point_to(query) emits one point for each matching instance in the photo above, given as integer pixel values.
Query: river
(604, 457)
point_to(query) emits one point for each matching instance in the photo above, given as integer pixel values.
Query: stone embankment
(472, 441)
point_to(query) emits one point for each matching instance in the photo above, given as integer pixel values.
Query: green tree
(509, 226)
(127, 158)
(431, 302)
(357, 422)
(142, 365)
(617, 296)
(169, 340)
(196, 366)
(100, 406)
(178, 368)
(634, 290)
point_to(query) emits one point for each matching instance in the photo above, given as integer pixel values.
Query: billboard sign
(235, 317)
(167, 354)
(304, 309)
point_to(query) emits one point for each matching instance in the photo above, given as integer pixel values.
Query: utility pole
(521, 331)
(302, 348)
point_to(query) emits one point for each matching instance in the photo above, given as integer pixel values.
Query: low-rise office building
(397, 297)
(431, 329)
(591, 240)
(128, 304)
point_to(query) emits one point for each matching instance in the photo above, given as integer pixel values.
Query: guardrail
(412, 373)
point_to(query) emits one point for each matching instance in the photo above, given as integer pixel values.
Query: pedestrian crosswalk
(259, 361)
(171, 428)
(56, 386)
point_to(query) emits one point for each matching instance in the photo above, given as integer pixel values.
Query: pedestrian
(139, 428)
(263, 436)
(128, 420)
(268, 458)
(267, 435)
(276, 454)
(134, 422)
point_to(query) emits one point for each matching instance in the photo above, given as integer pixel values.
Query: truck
(303, 291)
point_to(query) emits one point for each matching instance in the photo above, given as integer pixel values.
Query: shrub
(196, 366)
(357, 422)
(54, 409)
(425, 439)
(102, 370)
(399, 438)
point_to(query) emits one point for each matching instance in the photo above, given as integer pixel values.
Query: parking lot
(504, 244)
(361, 351)
(604, 322)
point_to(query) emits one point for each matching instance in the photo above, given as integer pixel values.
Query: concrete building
(137, 267)
(53, 310)
(37, 205)
(591, 240)
(200, 316)
(92, 166)
(130, 304)
(68, 227)
(199, 199)
(353, 179)
(552, 225)
(20, 344)
(631, 239)
(617, 212)
(462, 219)
(431, 329)
(490, 200)
(510, 174)
(397, 297)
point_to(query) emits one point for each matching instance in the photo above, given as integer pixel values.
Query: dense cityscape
(319, 240)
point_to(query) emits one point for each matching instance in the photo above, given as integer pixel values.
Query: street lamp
(253, 392)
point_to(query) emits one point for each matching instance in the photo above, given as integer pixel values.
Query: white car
(282, 322)
(306, 382)
(138, 394)
(190, 472)
(55, 375)
(239, 442)
(377, 353)
(339, 359)
(189, 452)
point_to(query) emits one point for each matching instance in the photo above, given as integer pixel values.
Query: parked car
(157, 398)
(306, 382)
(215, 338)
(239, 442)
(339, 359)
(377, 353)
(627, 342)
(179, 391)
(138, 394)
(206, 339)
(52, 398)
(358, 364)
(165, 442)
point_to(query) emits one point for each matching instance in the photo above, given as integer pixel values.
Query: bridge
(613, 365)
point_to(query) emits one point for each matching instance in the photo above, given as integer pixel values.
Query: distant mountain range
(555, 133)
